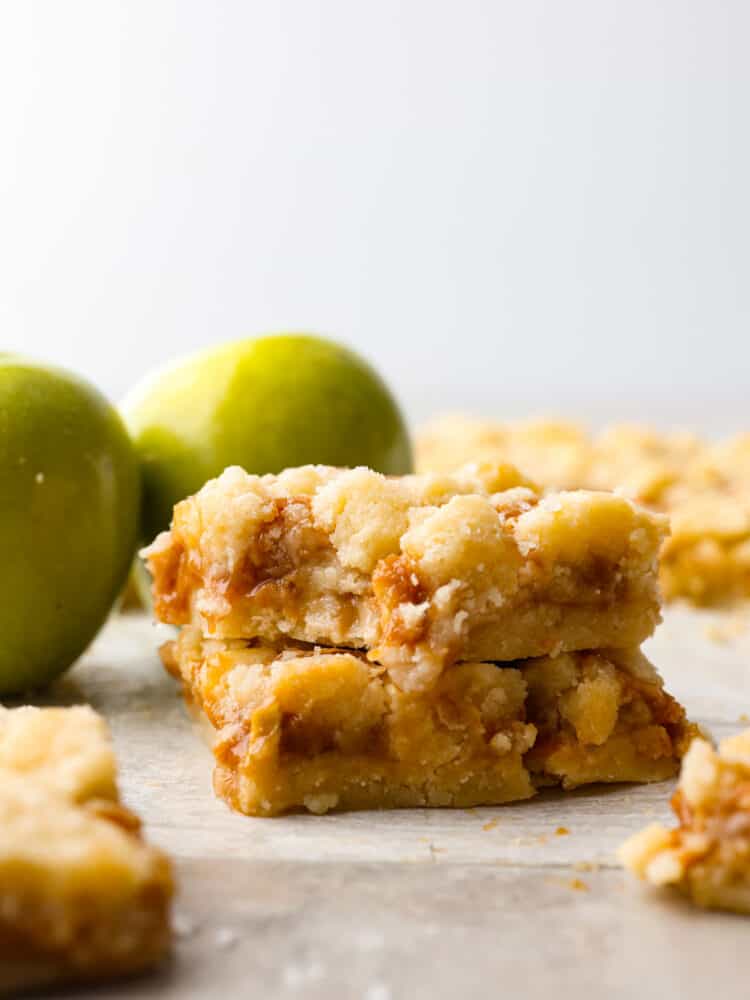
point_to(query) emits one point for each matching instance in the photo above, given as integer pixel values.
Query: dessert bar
(320, 729)
(419, 571)
(703, 487)
(82, 895)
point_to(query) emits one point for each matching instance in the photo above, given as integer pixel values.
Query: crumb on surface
(562, 831)
(491, 824)
(570, 884)
(586, 866)
(225, 937)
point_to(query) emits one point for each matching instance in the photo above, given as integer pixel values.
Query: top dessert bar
(421, 571)
(703, 487)
(82, 895)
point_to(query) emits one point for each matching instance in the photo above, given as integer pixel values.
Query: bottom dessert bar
(324, 729)
(82, 895)
(707, 856)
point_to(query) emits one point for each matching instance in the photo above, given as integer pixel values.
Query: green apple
(264, 404)
(68, 518)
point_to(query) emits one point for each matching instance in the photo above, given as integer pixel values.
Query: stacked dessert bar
(358, 641)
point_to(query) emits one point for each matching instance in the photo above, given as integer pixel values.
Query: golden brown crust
(703, 487)
(421, 571)
(707, 856)
(300, 727)
(82, 895)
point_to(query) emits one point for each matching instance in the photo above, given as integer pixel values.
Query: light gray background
(510, 207)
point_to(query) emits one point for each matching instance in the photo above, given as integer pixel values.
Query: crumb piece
(320, 804)
(578, 885)
(225, 937)
(727, 628)
(562, 831)
(491, 824)
(184, 926)
(715, 633)
(586, 866)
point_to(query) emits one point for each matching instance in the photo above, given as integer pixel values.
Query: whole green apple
(68, 518)
(264, 404)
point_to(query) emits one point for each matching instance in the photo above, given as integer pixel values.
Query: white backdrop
(508, 206)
